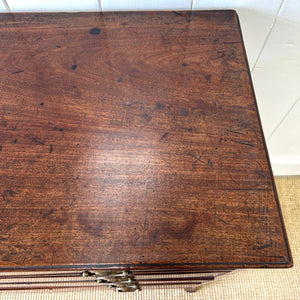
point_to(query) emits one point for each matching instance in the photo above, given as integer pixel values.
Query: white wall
(271, 30)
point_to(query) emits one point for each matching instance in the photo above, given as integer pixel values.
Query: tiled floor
(271, 34)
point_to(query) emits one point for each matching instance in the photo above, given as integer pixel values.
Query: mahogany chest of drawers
(132, 152)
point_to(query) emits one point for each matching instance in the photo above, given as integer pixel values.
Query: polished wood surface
(132, 140)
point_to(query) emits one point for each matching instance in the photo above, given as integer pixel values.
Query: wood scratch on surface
(194, 156)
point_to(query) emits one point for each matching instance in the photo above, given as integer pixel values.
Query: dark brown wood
(56, 287)
(134, 272)
(142, 279)
(207, 278)
(132, 140)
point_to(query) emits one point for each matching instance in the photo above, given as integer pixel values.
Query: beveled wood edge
(289, 259)
(191, 267)
(213, 11)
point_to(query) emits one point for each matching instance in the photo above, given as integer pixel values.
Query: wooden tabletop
(132, 139)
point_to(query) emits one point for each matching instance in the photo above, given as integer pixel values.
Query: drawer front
(118, 280)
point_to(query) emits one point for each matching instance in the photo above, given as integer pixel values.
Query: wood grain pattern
(132, 139)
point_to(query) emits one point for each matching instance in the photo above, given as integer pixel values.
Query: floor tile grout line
(283, 119)
(6, 5)
(268, 35)
(100, 5)
(192, 4)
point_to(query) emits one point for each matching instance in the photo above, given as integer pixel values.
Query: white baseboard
(285, 165)
(286, 170)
